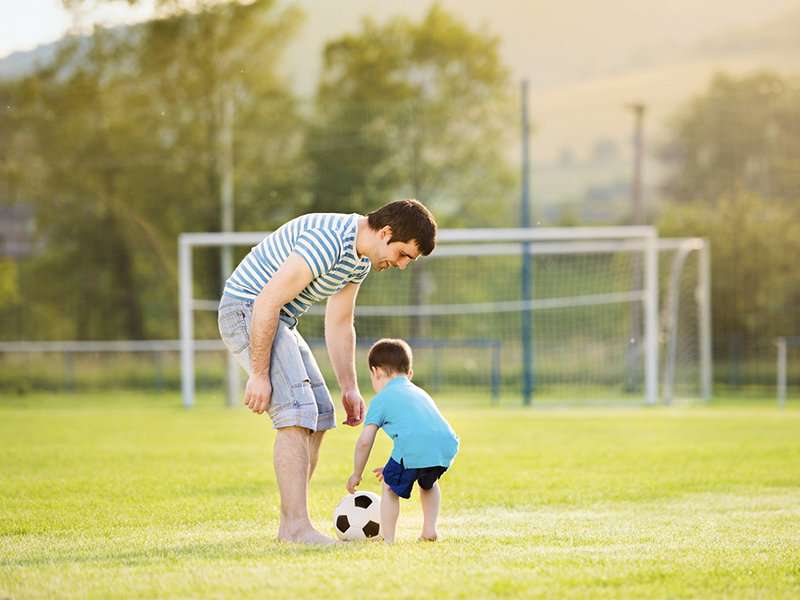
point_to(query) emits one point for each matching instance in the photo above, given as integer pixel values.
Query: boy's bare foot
(305, 536)
(428, 538)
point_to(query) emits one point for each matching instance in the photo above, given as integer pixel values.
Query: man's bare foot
(305, 536)
(428, 538)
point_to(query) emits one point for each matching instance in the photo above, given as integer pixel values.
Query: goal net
(551, 315)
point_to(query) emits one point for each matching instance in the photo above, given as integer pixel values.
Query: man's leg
(314, 441)
(292, 469)
(390, 510)
(430, 512)
(294, 414)
(326, 413)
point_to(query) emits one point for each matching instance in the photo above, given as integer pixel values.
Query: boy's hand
(378, 473)
(353, 482)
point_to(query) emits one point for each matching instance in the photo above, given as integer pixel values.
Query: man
(310, 258)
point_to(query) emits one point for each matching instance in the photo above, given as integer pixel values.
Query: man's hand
(354, 407)
(258, 393)
(378, 473)
(352, 483)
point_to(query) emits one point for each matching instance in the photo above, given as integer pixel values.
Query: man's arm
(289, 280)
(340, 338)
(363, 448)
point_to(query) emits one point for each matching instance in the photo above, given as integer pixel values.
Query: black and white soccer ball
(358, 517)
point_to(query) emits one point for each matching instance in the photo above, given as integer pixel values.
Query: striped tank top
(325, 241)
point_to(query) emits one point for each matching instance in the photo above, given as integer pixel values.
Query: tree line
(733, 161)
(119, 144)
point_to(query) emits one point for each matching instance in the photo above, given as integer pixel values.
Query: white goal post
(783, 344)
(577, 257)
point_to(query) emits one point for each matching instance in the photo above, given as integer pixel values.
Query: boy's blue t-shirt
(422, 437)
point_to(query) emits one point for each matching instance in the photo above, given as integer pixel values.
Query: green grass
(130, 496)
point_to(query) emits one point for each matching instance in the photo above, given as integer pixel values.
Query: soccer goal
(685, 319)
(783, 344)
(555, 315)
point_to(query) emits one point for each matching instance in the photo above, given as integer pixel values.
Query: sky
(529, 27)
(26, 24)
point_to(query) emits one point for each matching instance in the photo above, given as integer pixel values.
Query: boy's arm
(361, 455)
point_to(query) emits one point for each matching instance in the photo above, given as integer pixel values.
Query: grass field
(130, 496)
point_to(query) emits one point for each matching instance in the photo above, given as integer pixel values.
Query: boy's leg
(430, 511)
(390, 509)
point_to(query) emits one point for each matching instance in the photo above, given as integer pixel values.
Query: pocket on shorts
(291, 380)
(292, 403)
(302, 395)
(322, 395)
(233, 326)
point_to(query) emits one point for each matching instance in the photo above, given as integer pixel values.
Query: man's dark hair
(409, 220)
(391, 355)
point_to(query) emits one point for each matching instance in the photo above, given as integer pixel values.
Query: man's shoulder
(335, 228)
(339, 222)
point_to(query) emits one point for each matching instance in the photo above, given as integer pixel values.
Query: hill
(585, 63)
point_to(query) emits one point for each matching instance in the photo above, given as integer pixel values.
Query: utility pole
(226, 160)
(638, 109)
(526, 275)
(638, 218)
(417, 326)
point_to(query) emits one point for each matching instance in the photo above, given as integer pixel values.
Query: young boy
(424, 442)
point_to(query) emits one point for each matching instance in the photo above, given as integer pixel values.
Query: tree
(420, 110)
(741, 135)
(754, 244)
(733, 178)
(118, 145)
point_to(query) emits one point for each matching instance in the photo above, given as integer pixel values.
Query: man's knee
(292, 441)
(295, 431)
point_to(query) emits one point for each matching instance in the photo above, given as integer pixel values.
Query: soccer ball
(358, 517)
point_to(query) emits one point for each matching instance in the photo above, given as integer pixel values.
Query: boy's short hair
(391, 355)
(409, 220)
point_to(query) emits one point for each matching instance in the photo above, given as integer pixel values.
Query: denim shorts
(299, 394)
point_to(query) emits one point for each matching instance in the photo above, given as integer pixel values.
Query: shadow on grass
(251, 548)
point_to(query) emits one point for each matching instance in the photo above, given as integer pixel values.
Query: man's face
(394, 254)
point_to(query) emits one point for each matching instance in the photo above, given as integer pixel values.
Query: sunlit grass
(131, 496)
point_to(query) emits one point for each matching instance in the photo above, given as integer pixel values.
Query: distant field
(130, 496)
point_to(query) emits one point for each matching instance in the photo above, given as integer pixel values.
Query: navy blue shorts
(401, 480)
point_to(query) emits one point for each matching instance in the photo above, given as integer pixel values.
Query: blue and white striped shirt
(325, 241)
